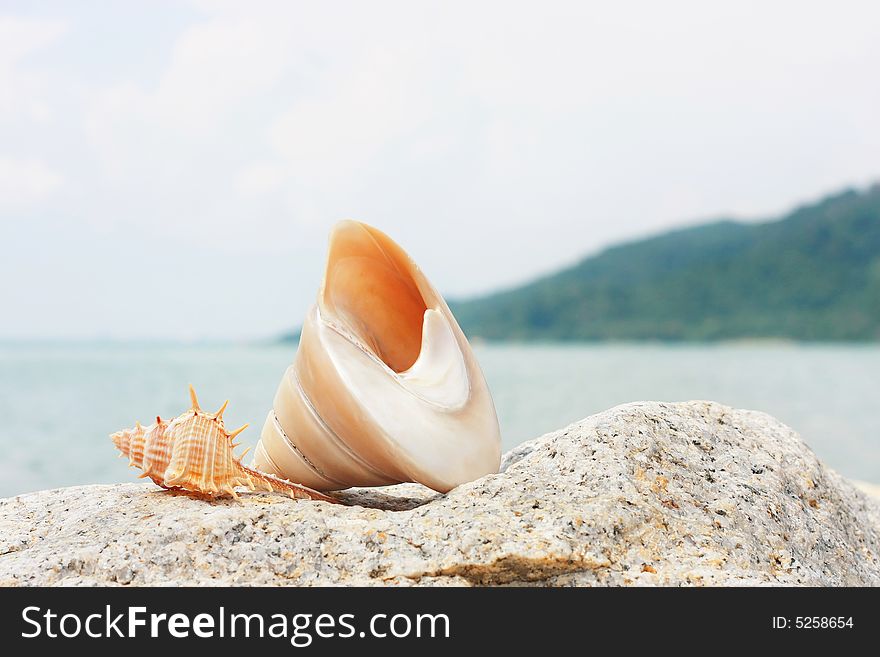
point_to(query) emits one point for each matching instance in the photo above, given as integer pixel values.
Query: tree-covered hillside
(811, 275)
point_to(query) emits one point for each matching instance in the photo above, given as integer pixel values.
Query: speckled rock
(646, 493)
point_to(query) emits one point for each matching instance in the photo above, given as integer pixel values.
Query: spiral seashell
(194, 452)
(384, 387)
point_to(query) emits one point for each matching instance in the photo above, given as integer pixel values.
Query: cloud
(259, 178)
(22, 88)
(494, 140)
(183, 157)
(215, 67)
(25, 181)
(281, 118)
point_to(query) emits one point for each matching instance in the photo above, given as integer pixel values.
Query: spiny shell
(195, 453)
(384, 387)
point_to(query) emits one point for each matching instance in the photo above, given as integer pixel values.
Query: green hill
(811, 275)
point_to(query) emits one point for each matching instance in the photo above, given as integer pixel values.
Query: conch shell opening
(368, 289)
(384, 387)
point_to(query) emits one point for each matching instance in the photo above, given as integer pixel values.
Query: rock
(646, 493)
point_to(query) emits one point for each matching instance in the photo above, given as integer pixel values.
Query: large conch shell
(384, 387)
(194, 453)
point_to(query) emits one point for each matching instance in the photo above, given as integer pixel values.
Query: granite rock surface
(647, 493)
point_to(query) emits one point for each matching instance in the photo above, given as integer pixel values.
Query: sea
(59, 402)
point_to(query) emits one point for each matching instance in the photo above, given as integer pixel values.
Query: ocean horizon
(60, 401)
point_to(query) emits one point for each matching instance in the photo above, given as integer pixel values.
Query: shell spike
(219, 414)
(233, 434)
(243, 454)
(194, 398)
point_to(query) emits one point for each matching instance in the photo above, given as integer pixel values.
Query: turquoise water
(59, 403)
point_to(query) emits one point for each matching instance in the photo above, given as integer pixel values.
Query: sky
(171, 170)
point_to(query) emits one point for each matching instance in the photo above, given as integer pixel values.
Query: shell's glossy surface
(195, 453)
(384, 387)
